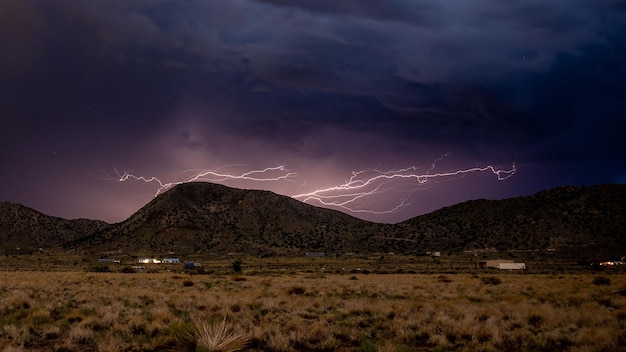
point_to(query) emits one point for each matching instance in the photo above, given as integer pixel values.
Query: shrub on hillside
(491, 280)
(296, 290)
(237, 266)
(98, 268)
(601, 280)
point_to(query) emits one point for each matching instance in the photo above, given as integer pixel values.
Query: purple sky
(323, 88)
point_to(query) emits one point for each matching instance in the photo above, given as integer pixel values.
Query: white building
(171, 260)
(512, 266)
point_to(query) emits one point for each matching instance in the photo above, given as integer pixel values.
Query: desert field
(312, 311)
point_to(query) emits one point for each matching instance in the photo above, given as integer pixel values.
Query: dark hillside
(205, 218)
(24, 228)
(575, 221)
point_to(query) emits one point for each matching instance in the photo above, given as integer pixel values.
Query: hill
(581, 222)
(24, 230)
(209, 219)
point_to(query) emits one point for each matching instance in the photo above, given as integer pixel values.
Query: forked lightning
(269, 174)
(355, 194)
(359, 194)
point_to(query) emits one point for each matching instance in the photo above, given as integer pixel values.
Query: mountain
(23, 229)
(205, 219)
(211, 218)
(581, 222)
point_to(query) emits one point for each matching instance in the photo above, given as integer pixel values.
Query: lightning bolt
(357, 193)
(268, 174)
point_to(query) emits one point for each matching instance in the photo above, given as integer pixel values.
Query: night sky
(90, 90)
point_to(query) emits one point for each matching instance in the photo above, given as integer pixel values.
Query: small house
(148, 261)
(512, 266)
(493, 263)
(171, 260)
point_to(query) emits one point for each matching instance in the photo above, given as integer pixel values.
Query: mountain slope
(578, 221)
(27, 229)
(205, 217)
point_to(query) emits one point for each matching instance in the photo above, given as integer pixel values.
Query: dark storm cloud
(410, 12)
(469, 69)
(115, 82)
(357, 49)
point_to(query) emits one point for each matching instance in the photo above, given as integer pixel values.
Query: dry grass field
(483, 311)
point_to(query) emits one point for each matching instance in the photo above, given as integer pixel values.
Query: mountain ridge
(228, 219)
(206, 218)
(27, 229)
(585, 221)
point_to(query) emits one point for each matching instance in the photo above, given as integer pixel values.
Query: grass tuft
(185, 334)
(219, 337)
(296, 290)
(491, 280)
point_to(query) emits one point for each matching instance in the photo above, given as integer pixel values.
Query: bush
(443, 278)
(199, 270)
(491, 280)
(237, 266)
(99, 268)
(296, 290)
(601, 280)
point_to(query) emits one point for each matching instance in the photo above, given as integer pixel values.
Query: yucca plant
(219, 337)
(214, 337)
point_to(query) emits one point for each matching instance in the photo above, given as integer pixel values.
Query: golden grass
(219, 337)
(43, 311)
